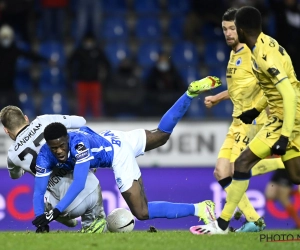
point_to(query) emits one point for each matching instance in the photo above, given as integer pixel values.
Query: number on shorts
(246, 140)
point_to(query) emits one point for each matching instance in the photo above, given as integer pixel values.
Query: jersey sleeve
(15, 172)
(80, 149)
(70, 122)
(273, 67)
(43, 163)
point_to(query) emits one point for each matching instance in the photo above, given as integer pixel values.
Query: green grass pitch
(161, 240)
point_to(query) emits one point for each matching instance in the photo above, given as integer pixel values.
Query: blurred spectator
(124, 95)
(287, 16)
(89, 13)
(16, 13)
(203, 12)
(164, 86)
(9, 54)
(53, 17)
(84, 65)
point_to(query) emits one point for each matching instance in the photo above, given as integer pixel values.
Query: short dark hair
(249, 19)
(54, 131)
(229, 14)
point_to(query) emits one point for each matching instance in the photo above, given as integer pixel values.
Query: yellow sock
(246, 207)
(234, 196)
(267, 165)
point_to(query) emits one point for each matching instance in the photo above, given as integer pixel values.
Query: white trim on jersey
(107, 149)
(85, 160)
(42, 175)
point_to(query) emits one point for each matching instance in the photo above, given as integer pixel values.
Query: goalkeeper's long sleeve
(289, 97)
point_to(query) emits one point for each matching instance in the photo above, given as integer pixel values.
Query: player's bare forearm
(211, 101)
(289, 97)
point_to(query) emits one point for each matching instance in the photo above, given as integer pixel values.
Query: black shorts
(281, 178)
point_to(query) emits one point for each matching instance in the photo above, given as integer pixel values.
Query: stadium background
(189, 33)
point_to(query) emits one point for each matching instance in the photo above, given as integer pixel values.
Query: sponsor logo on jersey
(238, 61)
(40, 170)
(82, 151)
(25, 139)
(273, 71)
(59, 174)
(80, 147)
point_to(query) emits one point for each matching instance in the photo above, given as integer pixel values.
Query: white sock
(196, 209)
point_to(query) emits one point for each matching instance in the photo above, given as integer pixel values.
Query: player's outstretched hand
(44, 229)
(46, 218)
(248, 116)
(279, 147)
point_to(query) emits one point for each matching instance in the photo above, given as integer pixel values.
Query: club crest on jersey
(40, 170)
(238, 62)
(82, 151)
(119, 181)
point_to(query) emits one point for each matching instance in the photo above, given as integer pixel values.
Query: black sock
(241, 175)
(225, 182)
(223, 224)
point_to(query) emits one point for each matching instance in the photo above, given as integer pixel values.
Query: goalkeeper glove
(44, 229)
(248, 116)
(279, 147)
(46, 218)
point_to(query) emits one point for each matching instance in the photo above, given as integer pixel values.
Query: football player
(85, 149)
(28, 139)
(280, 134)
(244, 92)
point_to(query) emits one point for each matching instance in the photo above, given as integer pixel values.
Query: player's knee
(164, 138)
(217, 174)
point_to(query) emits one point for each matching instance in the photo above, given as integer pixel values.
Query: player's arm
(213, 100)
(15, 172)
(80, 149)
(289, 97)
(43, 172)
(70, 121)
(80, 174)
(40, 187)
(248, 116)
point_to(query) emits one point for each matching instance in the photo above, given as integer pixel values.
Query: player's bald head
(12, 118)
(248, 19)
(55, 131)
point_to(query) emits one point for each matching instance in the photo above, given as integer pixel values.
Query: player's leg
(129, 181)
(50, 203)
(158, 137)
(136, 200)
(239, 185)
(93, 219)
(267, 165)
(91, 212)
(237, 139)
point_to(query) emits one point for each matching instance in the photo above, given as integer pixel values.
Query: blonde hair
(12, 118)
